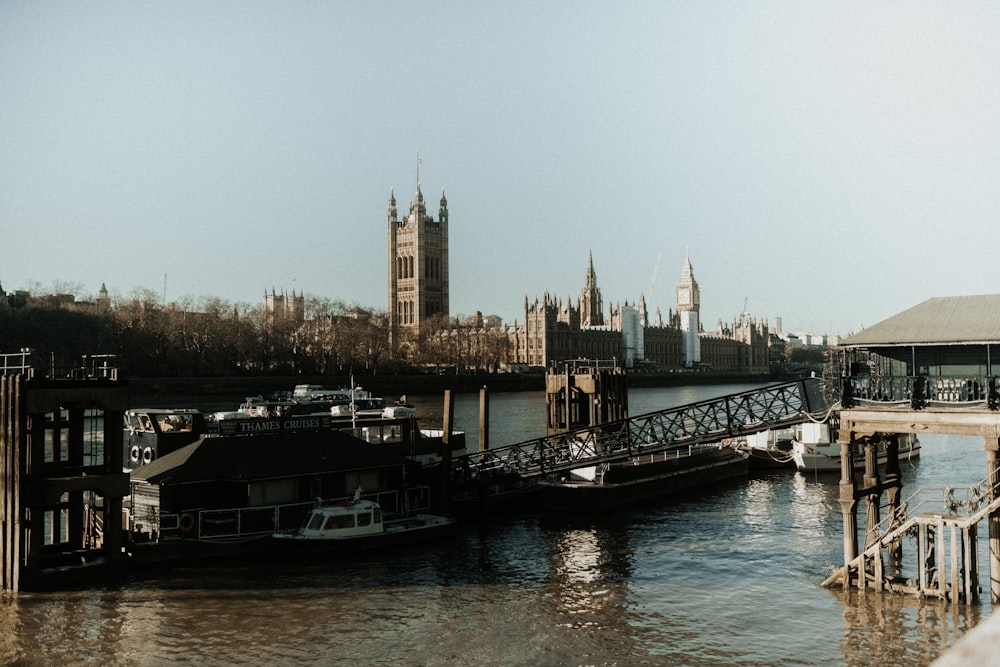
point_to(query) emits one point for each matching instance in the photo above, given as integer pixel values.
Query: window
(272, 492)
(336, 521)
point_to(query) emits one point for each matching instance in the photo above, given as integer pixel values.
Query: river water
(728, 577)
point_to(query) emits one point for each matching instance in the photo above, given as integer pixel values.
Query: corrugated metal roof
(272, 456)
(943, 320)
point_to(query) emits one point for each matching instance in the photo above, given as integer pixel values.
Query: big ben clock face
(683, 297)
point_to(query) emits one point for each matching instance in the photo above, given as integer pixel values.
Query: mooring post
(568, 400)
(993, 475)
(449, 408)
(484, 419)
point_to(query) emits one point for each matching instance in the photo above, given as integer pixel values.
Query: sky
(828, 163)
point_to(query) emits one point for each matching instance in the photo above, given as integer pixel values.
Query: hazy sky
(830, 163)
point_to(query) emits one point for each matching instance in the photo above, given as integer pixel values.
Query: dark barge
(651, 477)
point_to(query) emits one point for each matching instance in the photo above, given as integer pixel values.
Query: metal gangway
(712, 420)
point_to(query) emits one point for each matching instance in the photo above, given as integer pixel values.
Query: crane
(652, 279)
(744, 313)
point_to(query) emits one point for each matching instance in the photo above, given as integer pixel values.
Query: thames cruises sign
(266, 425)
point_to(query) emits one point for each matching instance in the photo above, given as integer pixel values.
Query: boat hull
(825, 457)
(185, 551)
(398, 532)
(629, 484)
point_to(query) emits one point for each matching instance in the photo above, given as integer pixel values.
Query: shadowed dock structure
(928, 370)
(61, 479)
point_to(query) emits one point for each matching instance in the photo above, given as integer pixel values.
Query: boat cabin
(153, 432)
(343, 520)
(231, 485)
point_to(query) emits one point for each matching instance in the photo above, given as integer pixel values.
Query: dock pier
(62, 483)
(946, 560)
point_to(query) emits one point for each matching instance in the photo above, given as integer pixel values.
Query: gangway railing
(712, 420)
(946, 561)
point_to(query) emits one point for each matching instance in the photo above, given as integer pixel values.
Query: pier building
(61, 478)
(932, 369)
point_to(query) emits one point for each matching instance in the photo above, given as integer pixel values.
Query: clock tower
(688, 308)
(688, 295)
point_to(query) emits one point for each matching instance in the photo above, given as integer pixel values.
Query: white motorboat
(815, 451)
(359, 525)
(770, 449)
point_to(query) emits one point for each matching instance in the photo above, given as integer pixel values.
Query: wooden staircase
(947, 560)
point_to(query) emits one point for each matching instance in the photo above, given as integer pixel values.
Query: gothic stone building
(554, 331)
(418, 265)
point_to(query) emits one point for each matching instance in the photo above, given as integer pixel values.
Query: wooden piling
(446, 430)
(583, 395)
(484, 419)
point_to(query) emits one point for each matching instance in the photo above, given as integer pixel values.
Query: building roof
(950, 320)
(268, 456)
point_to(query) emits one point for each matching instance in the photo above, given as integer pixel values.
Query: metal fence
(921, 391)
(242, 522)
(34, 364)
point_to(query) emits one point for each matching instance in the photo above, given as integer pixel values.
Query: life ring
(147, 455)
(134, 453)
(186, 523)
(726, 442)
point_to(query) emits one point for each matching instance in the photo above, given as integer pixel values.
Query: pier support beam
(873, 494)
(894, 487)
(848, 505)
(993, 475)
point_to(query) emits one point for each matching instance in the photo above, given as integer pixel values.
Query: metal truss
(712, 420)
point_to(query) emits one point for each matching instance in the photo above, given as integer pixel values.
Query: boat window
(339, 521)
(315, 521)
(177, 422)
(365, 519)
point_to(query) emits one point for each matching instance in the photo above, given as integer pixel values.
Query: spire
(443, 209)
(417, 209)
(392, 206)
(687, 272)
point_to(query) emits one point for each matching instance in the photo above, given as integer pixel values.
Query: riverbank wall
(178, 391)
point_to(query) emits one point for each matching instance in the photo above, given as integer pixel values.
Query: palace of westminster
(553, 331)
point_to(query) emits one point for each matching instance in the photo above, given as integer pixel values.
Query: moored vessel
(768, 450)
(359, 525)
(643, 478)
(815, 449)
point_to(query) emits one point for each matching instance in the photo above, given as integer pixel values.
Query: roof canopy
(270, 456)
(949, 320)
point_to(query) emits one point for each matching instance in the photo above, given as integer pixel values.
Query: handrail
(707, 421)
(887, 538)
(247, 522)
(917, 392)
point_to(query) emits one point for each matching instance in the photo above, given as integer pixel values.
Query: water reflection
(588, 569)
(729, 576)
(875, 623)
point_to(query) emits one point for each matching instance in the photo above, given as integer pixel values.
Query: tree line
(216, 338)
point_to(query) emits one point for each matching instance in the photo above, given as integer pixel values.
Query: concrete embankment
(194, 391)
